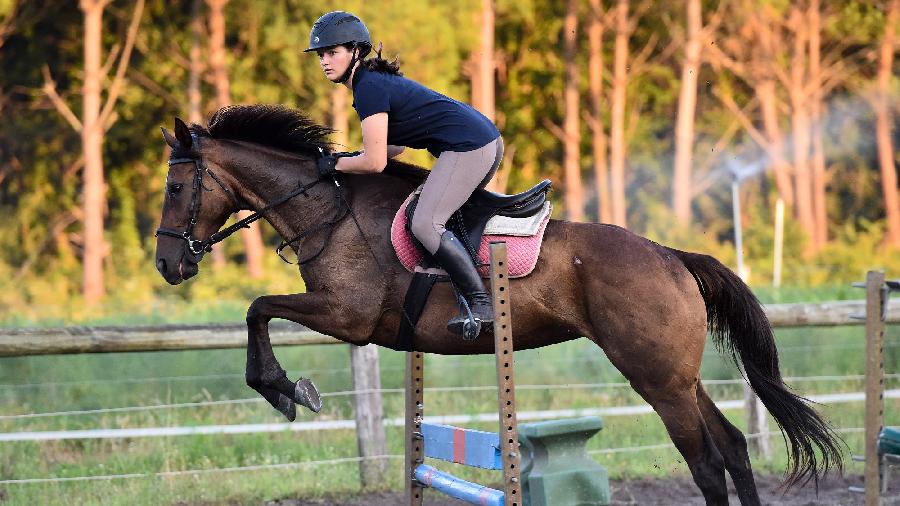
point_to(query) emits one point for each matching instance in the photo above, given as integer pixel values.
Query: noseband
(194, 249)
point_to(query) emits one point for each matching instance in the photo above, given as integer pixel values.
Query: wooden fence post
(875, 294)
(757, 423)
(369, 413)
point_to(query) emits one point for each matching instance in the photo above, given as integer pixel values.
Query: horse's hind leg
(733, 447)
(688, 430)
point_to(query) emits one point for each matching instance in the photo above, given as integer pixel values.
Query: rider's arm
(375, 147)
(394, 150)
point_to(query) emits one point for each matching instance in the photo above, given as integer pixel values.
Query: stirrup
(471, 324)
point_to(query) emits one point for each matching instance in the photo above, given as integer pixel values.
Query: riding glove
(327, 164)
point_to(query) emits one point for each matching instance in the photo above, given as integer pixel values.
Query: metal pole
(506, 387)
(415, 410)
(779, 242)
(738, 241)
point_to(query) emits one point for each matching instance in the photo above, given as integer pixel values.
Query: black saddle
(468, 222)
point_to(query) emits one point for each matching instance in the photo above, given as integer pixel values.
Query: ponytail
(379, 64)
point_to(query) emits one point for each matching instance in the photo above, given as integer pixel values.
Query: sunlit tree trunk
(768, 102)
(482, 71)
(884, 120)
(684, 126)
(800, 128)
(195, 97)
(617, 126)
(253, 246)
(94, 193)
(571, 126)
(820, 216)
(595, 77)
(339, 119)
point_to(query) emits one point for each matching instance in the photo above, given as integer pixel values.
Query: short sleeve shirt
(418, 117)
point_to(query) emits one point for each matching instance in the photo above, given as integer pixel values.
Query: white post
(779, 241)
(738, 236)
(369, 413)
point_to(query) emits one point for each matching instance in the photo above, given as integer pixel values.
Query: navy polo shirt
(418, 117)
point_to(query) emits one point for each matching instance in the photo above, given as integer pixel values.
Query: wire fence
(347, 393)
(328, 462)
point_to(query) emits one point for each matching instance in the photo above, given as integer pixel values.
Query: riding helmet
(337, 28)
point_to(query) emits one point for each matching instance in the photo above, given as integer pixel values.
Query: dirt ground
(660, 492)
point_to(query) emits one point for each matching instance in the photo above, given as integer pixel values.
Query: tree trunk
(94, 192)
(820, 215)
(571, 127)
(482, 71)
(486, 60)
(883, 124)
(684, 126)
(253, 245)
(768, 101)
(595, 76)
(800, 126)
(617, 127)
(339, 120)
(195, 97)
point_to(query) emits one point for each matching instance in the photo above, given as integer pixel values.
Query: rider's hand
(327, 165)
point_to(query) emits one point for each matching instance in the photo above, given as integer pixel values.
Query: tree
(253, 246)
(684, 125)
(96, 119)
(598, 137)
(883, 124)
(617, 126)
(572, 126)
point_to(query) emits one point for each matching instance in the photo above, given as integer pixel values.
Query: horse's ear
(170, 139)
(183, 134)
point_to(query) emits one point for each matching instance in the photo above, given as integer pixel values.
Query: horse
(647, 306)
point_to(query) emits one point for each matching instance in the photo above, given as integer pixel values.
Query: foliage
(40, 242)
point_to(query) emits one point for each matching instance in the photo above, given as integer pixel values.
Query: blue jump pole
(463, 490)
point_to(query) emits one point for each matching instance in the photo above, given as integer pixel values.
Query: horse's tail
(740, 328)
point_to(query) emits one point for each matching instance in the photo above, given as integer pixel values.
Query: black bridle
(194, 249)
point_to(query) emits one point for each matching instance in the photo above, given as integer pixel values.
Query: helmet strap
(353, 61)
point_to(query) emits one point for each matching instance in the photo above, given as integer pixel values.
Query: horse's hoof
(306, 394)
(286, 407)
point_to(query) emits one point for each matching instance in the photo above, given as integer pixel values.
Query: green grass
(81, 382)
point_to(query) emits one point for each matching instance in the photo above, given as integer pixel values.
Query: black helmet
(339, 27)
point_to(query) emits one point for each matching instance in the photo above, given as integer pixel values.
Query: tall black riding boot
(454, 258)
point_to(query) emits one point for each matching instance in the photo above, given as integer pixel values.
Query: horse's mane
(285, 128)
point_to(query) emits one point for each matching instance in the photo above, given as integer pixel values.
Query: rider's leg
(452, 180)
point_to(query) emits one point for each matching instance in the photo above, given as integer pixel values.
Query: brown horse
(647, 306)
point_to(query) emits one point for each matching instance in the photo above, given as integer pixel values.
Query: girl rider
(396, 112)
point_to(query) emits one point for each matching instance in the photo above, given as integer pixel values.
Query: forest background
(642, 114)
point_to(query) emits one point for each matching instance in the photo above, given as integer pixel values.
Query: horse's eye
(175, 189)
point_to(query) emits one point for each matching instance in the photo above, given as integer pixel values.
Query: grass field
(87, 382)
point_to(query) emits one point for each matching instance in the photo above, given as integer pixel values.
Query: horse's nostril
(161, 266)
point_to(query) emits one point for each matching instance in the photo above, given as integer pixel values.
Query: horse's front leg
(316, 310)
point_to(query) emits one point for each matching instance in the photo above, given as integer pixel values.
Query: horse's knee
(255, 312)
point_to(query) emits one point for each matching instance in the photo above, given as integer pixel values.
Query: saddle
(470, 221)
(519, 219)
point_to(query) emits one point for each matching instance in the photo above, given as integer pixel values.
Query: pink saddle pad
(522, 251)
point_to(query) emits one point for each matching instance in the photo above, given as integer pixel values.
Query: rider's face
(334, 61)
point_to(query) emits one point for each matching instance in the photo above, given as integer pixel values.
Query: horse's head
(197, 203)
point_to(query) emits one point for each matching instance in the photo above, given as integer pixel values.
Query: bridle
(194, 248)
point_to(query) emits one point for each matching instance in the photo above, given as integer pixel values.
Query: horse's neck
(262, 176)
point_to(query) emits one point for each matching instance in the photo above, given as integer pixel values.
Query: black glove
(327, 164)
